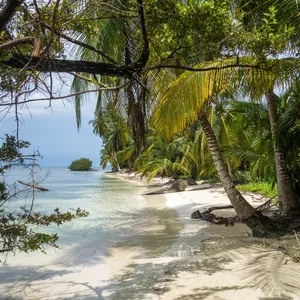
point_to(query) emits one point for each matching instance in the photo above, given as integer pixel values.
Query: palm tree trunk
(243, 209)
(260, 225)
(286, 196)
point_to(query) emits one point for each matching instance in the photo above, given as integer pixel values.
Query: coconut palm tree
(118, 35)
(187, 99)
(289, 127)
(162, 159)
(250, 141)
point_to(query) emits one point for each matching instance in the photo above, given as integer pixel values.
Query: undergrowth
(264, 188)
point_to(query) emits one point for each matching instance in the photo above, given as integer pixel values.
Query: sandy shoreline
(218, 262)
(168, 256)
(230, 264)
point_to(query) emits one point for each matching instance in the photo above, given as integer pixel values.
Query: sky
(53, 131)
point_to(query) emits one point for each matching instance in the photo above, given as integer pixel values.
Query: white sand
(230, 265)
(169, 256)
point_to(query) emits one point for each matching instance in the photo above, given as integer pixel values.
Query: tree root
(212, 218)
(261, 225)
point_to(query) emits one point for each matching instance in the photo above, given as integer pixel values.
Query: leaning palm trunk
(260, 225)
(243, 209)
(286, 196)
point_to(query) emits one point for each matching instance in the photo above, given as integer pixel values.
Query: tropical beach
(149, 149)
(156, 252)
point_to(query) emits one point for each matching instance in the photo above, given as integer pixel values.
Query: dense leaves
(82, 164)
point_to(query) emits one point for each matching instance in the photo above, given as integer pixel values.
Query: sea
(111, 202)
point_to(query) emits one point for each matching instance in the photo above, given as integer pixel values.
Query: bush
(82, 164)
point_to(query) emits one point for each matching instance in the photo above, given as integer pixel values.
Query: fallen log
(209, 210)
(33, 186)
(212, 218)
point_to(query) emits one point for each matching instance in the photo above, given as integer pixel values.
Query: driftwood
(212, 218)
(33, 186)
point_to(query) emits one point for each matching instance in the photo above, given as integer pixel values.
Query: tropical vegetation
(82, 164)
(187, 89)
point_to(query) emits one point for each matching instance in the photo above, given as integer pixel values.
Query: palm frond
(186, 96)
(79, 85)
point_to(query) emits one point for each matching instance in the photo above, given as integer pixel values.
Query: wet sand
(166, 256)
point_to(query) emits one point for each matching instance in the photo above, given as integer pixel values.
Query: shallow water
(116, 243)
(109, 201)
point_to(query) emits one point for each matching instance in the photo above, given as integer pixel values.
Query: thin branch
(79, 43)
(108, 18)
(205, 69)
(89, 79)
(66, 96)
(295, 233)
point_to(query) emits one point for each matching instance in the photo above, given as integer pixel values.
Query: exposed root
(212, 218)
(262, 226)
(265, 227)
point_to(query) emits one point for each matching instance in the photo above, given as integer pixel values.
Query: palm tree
(162, 159)
(289, 126)
(250, 138)
(287, 199)
(116, 36)
(241, 206)
(187, 97)
(112, 128)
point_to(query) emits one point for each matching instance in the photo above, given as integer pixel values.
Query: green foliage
(82, 164)
(16, 234)
(10, 152)
(264, 188)
(250, 146)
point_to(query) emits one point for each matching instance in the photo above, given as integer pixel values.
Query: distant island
(82, 164)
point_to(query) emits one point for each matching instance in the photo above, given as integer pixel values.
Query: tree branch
(64, 66)
(79, 43)
(205, 68)
(8, 12)
(16, 42)
(65, 96)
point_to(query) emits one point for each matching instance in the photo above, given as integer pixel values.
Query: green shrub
(264, 188)
(82, 164)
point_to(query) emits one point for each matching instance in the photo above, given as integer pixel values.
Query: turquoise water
(111, 202)
(111, 254)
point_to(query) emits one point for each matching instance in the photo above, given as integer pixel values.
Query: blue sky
(54, 133)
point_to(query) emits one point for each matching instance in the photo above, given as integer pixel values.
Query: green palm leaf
(187, 95)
